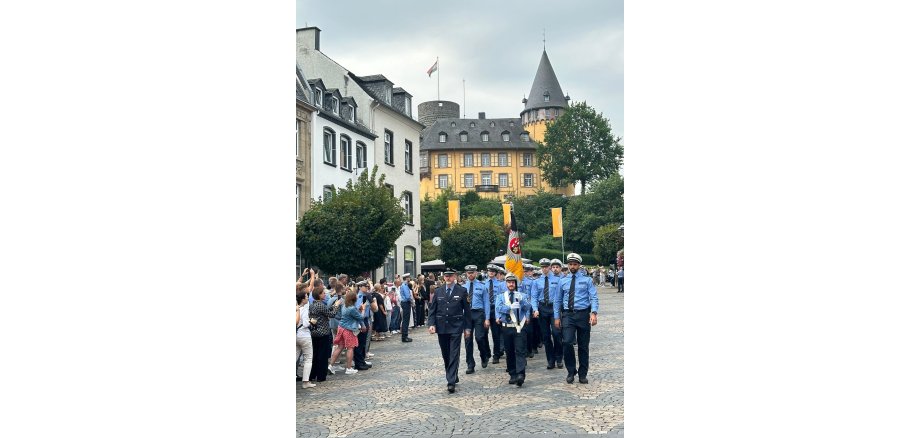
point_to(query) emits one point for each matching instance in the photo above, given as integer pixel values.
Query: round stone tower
(433, 110)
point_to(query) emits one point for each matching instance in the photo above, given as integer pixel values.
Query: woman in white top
(304, 340)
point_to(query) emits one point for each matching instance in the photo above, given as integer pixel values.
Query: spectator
(320, 315)
(304, 341)
(347, 335)
(395, 315)
(421, 305)
(380, 316)
(620, 281)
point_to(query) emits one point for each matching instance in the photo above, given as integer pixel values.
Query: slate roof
(373, 78)
(545, 80)
(430, 135)
(363, 82)
(399, 90)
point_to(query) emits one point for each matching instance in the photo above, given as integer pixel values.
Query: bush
(475, 241)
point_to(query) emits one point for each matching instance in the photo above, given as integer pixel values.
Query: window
(409, 107)
(360, 155)
(503, 179)
(423, 159)
(318, 98)
(407, 206)
(442, 181)
(472, 124)
(467, 180)
(345, 142)
(442, 160)
(388, 147)
(389, 96)
(390, 188)
(409, 260)
(335, 105)
(351, 113)
(491, 124)
(297, 205)
(328, 191)
(329, 146)
(297, 137)
(502, 159)
(546, 96)
(442, 137)
(542, 114)
(506, 136)
(467, 160)
(389, 266)
(453, 124)
(486, 160)
(485, 136)
(408, 156)
(528, 180)
(528, 159)
(486, 178)
(525, 136)
(463, 137)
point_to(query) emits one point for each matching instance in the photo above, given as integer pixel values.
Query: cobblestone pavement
(405, 392)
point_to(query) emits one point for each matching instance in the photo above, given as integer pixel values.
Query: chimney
(308, 37)
(482, 116)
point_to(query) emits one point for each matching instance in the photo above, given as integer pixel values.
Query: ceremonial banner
(557, 222)
(453, 212)
(506, 209)
(513, 263)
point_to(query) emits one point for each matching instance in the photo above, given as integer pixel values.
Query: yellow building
(494, 157)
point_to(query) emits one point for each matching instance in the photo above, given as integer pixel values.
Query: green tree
(429, 251)
(353, 230)
(579, 147)
(532, 213)
(474, 240)
(607, 241)
(586, 213)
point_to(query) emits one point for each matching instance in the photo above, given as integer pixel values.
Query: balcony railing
(487, 188)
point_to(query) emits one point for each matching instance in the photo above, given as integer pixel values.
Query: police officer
(449, 316)
(513, 308)
(406, 302)
(543, 294)
(525, 284)
(494, 287)
(576, 304)
(481, 312)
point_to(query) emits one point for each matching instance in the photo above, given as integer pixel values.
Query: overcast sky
(494, 45)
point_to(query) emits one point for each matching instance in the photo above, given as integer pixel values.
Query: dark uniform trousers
(576, 323)
(406, 311)
(533, 335)
(516, 347)
(552, 337)
(496, 328)
(450, 352)
(360, 354)
(482, 341)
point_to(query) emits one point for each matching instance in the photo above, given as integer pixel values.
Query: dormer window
(317, 97)
(351, 113)
(335, 105)
(464, 137)
(484, 136)
(491, 124)
(409, 107)
(525, 136)
(472, 124)
(453, 124)
(442, 137)
(506, 136)
(546, 96)
(389, 96)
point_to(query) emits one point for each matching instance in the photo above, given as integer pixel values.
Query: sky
(494, 45)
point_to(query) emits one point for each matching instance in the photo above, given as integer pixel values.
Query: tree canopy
(579, 147)
(608, 239)
(475, 240)
(353, 230)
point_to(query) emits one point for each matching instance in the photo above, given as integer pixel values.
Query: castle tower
(545, 102)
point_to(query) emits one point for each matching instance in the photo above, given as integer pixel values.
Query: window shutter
(522, 180)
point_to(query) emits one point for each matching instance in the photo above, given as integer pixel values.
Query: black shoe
(451, 388)
(470, 371)
(494, 360)
(520, 381)
(570, 379)
(541, 345)
(559, 365)
(407, 339)
(530, 355)
(551, 366)
(363, 367)
(583, 380)
(512, 380)
(485, 363)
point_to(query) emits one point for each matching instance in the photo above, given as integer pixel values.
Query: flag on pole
(506, 210)
(557, 222)
(433, 69)
(453, 212)
(513, 262)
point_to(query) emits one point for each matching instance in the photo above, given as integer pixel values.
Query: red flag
(433, 69)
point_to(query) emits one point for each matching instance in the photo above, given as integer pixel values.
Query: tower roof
(545, 82)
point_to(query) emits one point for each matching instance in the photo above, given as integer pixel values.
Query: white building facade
(383, 122)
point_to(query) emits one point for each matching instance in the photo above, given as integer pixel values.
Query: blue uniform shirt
(480, 296)
(498, 287)
(405, 293)
(367, 309)
(585, 294)
(536, 290)
(525, 286)
(502, 310)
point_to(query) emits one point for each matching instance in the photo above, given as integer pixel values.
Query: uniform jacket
(450, 314)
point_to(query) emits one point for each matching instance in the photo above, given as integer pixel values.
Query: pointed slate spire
(545, 83)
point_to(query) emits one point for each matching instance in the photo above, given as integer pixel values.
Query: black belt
(478, 309)
(576, 310)
(543, 303)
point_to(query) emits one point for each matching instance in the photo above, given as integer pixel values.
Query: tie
(517, 312)
(491, 296)
(450, 291)
(545, 289)
(572, 293)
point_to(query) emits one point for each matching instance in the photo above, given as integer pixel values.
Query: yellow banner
(453, 212)
(557, 222)
(506, 208)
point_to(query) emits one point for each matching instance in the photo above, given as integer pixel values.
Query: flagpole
(438, 62)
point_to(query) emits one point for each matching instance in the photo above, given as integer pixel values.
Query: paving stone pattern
(405, 392)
